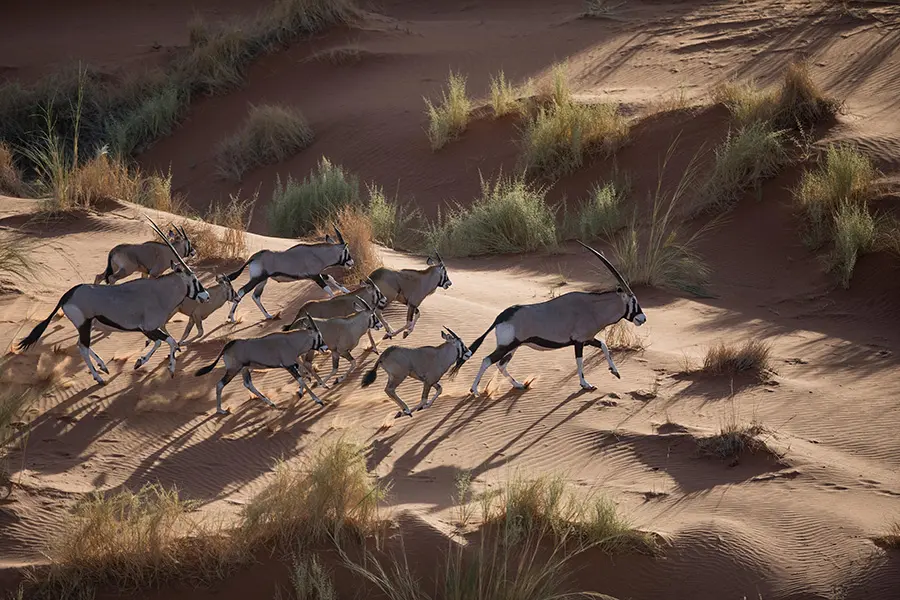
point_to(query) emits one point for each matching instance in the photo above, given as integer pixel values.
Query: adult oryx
(572, 319)
(303, 261)
(151, 258)
(410, 287)
(139, 305)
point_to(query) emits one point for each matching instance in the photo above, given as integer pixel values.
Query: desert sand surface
(797, 521)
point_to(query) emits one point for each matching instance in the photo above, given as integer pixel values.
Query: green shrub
(391, 222)
(449, 119)
(510, 216)
(503, 96)
(298, 207)
(855, 232)
(600, 216)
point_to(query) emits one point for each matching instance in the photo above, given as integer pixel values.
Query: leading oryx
(410, 287)
(572, 319)
(303, 261)
(139, 305)
(150, 258)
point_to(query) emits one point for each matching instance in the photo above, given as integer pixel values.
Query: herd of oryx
(334, 325)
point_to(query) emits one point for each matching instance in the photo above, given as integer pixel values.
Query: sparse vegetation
(544, 506)
(733, 440)
(331, 495)
(235, 216)
(558, 139)
(855, 233)
(751, 356)
(743, 161)
(622, 337)
(356, 227)
(391, 221)
(846, 175)
(600, 9)
(16, 255)
(892, 538)
(510, 216)
(309, 580)
(135, 540)
(447, 120)
(503, 96)
(11, 183)
(797, 103)
(600, 215)
(298, 207)
(665, 256)
(271, 134)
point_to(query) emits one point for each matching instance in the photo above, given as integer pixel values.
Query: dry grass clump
(503, 96)
(892, 538)
(600, 215)
(11, 183)
(331, 495)
(447, 120)
(752, 356)
(271, 134)
(797, 102)
(16, 255)
(664, 256)
(855, 233)
(491, 570)
(743, 161)
(310, 580)
(511, 215)
(234, 215)
(391, 221)
(544, 506)
(135, 540)
(622, 337)
(356, 227)
(558, 139)
(298, 207)
(733, 440)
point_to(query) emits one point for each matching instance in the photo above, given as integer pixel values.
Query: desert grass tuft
(747, 102)
(892, 538)
(751, 356)
(356, 227)
(11, 183)
(664, 256)
(16, 258)
(743, 161)
(845, 175)
(503, 96)
(235, 216)
(600, 215)
(448, 119)
(330, 495)
(855, 232)
(545, 506)
(622, 337)
(557, 140)
(511, 215)
(310, 580)
(298, 207)
(135, 540)
(271, 134)
(733, 440)
(391, 221)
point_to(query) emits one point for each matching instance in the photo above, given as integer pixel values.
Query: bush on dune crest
(448, 119)
(510, 216)
(271, 134)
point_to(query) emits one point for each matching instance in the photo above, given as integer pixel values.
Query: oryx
(139, 305)
(425, 363)
(151, 258)
(302, 261)
(411, 287)
(278, 350)
(219, 294)
(572, 319)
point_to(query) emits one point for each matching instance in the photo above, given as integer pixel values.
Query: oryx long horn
(366, 304)
(311, 322)
(440, 258)
(453, 333)
(338, 232)
(609, 266)
(169, 244)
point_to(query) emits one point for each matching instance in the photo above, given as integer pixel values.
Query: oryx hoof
(588, 387)
(318, 401)
(405, 334)
(103, 368)
(138, 364)
(99, 381)
(223, 411)
(519, 386)
(616, 373)
(400, 413)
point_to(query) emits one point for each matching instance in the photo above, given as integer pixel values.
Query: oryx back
(575, 316)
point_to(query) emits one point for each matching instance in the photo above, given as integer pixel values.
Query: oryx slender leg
(374, 345)
(502, 367)
(295, 371)
(412, 316)
(424, 401)
(187, 330)
(227, 377)
(234, 305)
(257, 297)
(437, 392)
(84, 347)
(307, 366)
(248, 383)
(602, 345)
(100, 363)
(335, 361)
(579, 360)
(347, 356)
(391, 390)
(250, 285)
(496, 356)
(157, 337)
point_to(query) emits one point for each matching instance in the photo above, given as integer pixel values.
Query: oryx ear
(431, 262)
(329, 239)
(358, 307)
(619, 289)
(446, 336)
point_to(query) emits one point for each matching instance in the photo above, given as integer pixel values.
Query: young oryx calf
(342, 334)
(344, 306)
(139, 305)
(302, 261)
(572, 319)
(411, 287)
(278, 350)
(219, 294)
(151, 258)
(426, 364)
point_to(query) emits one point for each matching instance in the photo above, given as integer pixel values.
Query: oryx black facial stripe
(632, 308)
